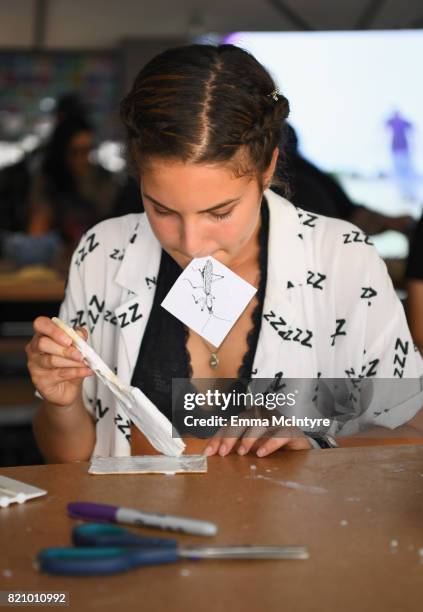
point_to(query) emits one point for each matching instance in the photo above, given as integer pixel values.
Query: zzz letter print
(89, 245)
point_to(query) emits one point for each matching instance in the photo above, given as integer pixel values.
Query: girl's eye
(161, 213)
(223, 216)
(219, 217)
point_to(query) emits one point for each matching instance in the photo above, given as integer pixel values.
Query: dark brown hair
(204, 104)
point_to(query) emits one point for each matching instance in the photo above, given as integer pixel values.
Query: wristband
(323, 441)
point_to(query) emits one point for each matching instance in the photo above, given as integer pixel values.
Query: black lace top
(163, 355)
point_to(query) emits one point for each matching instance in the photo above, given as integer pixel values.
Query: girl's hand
(262, 440)
(57, 368)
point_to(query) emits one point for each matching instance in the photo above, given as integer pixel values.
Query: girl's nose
(192, 242)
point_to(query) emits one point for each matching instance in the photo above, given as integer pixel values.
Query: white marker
(130, 516)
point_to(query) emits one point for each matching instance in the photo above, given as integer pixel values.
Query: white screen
(343, 87)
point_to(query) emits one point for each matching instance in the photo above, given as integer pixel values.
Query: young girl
(204, 126)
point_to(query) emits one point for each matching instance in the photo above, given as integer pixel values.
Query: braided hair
(204, 104)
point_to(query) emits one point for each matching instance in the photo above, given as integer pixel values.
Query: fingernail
(222, 451)
(208, 451)
(261, 452)
(241, 450)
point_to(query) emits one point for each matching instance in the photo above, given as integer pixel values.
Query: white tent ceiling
(104, 23)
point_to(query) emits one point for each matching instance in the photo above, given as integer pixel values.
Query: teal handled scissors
(108, 549)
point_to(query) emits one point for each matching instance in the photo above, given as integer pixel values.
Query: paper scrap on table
(209, 298)
(136, 405)
(16, 492)
(149, 464)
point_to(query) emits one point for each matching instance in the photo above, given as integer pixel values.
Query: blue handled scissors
(108, 549)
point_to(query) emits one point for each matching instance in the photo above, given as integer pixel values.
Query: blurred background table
(24, 295)
(32, 291)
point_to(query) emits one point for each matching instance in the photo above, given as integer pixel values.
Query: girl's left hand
(263, 440)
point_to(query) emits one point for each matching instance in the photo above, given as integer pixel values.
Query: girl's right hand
(57, 368)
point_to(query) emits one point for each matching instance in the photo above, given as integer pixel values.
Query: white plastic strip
(137, 406)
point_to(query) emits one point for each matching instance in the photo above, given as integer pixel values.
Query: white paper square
(209, 298)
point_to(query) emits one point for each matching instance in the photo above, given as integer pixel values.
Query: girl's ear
(269, 172)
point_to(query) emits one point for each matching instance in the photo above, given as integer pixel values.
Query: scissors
(108, 549)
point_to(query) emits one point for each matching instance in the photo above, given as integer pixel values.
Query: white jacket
(330, 311)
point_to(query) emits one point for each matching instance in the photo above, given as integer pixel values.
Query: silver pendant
(213, 361)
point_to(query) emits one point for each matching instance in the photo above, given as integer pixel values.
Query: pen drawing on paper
(205, 296)
(208, 297)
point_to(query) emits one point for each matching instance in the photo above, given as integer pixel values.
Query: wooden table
(27, 290)
(371, 498)
(24, 300)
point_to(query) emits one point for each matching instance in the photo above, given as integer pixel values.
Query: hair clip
(275, 95)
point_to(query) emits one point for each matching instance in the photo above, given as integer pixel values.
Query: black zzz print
(134, 235)
(78, 321)
(88, 247)
(367, 370)
(400, 358)
(309, 219)
(274, 324)
(276, 384)
(367, 293)
(110, 317)
(299, 335)
(339, 331)
(316, 388)
(99, 410)
(150, 281)
(130, 316)
(352, 398)
(356, 379)
(95, 309)
(354, 236)
(371, 368)
(315, 279)
(117, 254)
(124, 426)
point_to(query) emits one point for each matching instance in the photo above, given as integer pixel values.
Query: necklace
(213, 359)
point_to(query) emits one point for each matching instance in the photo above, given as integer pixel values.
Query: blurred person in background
(404, 174)
(414, 276)
(69, 105)
(16, 179)
(316, 191)
(70, 193)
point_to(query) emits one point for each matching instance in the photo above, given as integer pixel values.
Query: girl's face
(196, 210)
